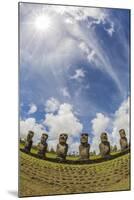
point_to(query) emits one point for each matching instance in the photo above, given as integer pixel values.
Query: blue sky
(74, 71)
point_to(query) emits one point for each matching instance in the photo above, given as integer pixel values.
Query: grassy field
(69, 157)
(40, 177)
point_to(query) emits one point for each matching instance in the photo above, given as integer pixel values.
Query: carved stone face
(31, 134)
(104, 145)
(62, 147)
(42, 146)
(44, 137)
(63, 138)
(122, 133)
(84, 138)
(104, 137)
(123, 139)
(28, 144)
(84, 147)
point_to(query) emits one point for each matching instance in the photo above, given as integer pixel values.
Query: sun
(42, 23)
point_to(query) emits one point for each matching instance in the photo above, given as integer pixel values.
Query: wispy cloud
(62, 51)
(77, 63)
(64, 91)
(33, 108)
(88, 51)
(111, 29)
(79, 73)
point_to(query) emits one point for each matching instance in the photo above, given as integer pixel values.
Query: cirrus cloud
(79, 73)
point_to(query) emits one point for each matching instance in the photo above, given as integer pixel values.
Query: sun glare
(42, 22)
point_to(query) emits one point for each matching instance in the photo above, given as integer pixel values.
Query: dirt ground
(40, 177)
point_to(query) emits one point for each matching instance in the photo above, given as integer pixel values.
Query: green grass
(69, 157)
(40, 177)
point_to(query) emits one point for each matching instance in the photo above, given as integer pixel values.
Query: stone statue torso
(123, 143)
(84, 151)
(62, 149)
(104, 148)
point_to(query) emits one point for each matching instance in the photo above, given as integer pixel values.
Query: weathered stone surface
(29, 142)
(62, 147)
(104, 146)
(42, 146)
(123, 139)
(84, 147)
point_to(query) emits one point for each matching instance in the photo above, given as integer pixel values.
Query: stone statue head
(63, 138)
(104, 137)
(122, 133)
(29, 141)
(31, 134)
(84, 138)
(44, 137)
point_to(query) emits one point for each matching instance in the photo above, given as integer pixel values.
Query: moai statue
(29, 142)
(84, 147)
(42, 146)
(104, 146)
(123, 140)
(62, 147)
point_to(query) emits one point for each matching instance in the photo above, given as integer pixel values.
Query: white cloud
(64, 91)
(99, 125)
(63, 50)
(110, 30)
(90, 57)
(84, 47)
(120, 120)
(64, 121)
(88, 51)
(79, 73)
(93, 52)
(65, 45)
(74, 148)
(68, 21)
(33, 108)
(31, 124)
(52, 143)
(52, 105)
(79, 13)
